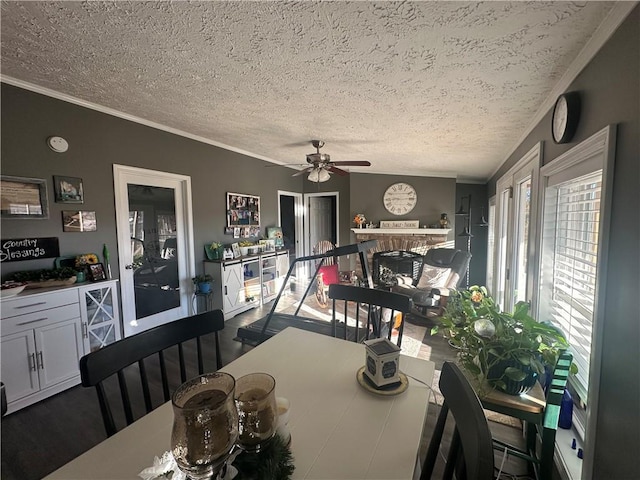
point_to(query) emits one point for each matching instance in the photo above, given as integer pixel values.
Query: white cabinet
(246, 282)
(100, 314)
(45, 333)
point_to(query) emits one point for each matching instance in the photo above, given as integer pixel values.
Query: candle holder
(205, 425)
(257, 411)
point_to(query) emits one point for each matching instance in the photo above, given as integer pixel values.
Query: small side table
(205, 298)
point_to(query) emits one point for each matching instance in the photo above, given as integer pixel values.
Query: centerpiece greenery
(505, 350)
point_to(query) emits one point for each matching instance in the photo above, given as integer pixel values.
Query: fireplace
(417, 240)
(387, 266)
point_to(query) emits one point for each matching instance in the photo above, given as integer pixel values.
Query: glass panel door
(155, 246)
(152, 223)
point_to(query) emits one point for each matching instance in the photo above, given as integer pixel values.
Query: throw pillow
(434, 277)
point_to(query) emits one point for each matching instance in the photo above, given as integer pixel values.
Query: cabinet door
(233, 287)
(19, 372)
(99, 316)
(58, 351)
(282, 268)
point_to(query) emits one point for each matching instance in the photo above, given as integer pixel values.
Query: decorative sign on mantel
(399, 223)
(13, 250)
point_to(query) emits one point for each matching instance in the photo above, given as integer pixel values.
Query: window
(516, 196)
(573, 236)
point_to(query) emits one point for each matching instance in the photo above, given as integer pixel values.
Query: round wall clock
(400, 198)
(566, 115)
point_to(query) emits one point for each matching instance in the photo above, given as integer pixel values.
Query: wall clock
(400, 198)
(566, 115)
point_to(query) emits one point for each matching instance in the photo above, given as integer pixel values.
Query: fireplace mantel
(402, 231)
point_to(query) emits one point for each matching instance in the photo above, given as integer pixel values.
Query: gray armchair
(443, 269)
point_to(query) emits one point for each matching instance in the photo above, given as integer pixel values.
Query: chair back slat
(116, 358)
(183, 367)
(145, 386)
(165, 377)
(126, 400)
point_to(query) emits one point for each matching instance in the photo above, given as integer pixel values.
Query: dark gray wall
(610, 92)
(478, 244)
(97, 141)
(435, 196)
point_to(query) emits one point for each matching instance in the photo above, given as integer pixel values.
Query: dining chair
(3, 399)
(142, 361)
(383, 311)
(470, 453)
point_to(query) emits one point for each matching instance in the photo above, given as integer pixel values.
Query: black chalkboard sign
(18, 249)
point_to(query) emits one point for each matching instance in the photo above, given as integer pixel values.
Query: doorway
(155, 237)
(290, 218)
(321, 219)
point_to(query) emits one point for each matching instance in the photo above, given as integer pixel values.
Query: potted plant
(202, 283)
(507, 351)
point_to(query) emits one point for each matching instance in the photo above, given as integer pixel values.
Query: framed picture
(236, 250)
(243, 210)
(23, 197)
(78, 221)
(275, 233)
(96, 272)
(68, 189)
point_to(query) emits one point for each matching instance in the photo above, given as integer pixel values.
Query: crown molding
(132, 118)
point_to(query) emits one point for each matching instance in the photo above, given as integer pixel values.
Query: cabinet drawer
(38, 319)
(37, 302)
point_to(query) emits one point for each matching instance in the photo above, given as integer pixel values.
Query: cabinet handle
(32, 361)
(85, 330)
(33, 321)
(31, 305)
(41, 366)
(225, 290)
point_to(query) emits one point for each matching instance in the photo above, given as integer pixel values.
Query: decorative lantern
(382, 362)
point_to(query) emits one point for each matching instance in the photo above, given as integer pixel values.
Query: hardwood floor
(40, 438)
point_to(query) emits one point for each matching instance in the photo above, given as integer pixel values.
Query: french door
(516, 205)
(155, 246)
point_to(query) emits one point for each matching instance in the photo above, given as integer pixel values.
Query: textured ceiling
(421, 88)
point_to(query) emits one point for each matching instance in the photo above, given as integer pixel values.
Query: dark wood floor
(40, 438)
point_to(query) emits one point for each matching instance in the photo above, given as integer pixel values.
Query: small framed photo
(78, 221)
(236, 250)
(96, 272)
(68, 189)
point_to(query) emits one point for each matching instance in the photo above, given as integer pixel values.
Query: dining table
(340, 429)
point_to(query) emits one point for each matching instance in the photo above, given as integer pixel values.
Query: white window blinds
(571, 220)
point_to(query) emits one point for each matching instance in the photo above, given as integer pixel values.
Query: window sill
(566, 459)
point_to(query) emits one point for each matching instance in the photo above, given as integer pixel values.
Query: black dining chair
(142, 362)
(3, 399)
(471, 452)
(378, 312)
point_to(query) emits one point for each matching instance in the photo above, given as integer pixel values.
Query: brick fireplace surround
(417, 240)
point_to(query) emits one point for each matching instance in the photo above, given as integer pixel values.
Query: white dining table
(339, 430)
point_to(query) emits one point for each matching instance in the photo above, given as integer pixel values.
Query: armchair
(442, 270)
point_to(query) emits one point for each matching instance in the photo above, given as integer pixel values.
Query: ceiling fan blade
(339, 171)
(359, 163)
(302, 172)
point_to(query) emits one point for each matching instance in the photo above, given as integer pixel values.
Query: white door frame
(308, 248)
(122, 175)
(298, 210)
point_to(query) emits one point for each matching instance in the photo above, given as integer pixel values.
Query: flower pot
(501, 381)
(204, 287)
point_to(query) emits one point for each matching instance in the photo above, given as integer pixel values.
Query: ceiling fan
(321, 165)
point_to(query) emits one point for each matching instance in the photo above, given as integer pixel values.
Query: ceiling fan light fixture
(318, 175)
